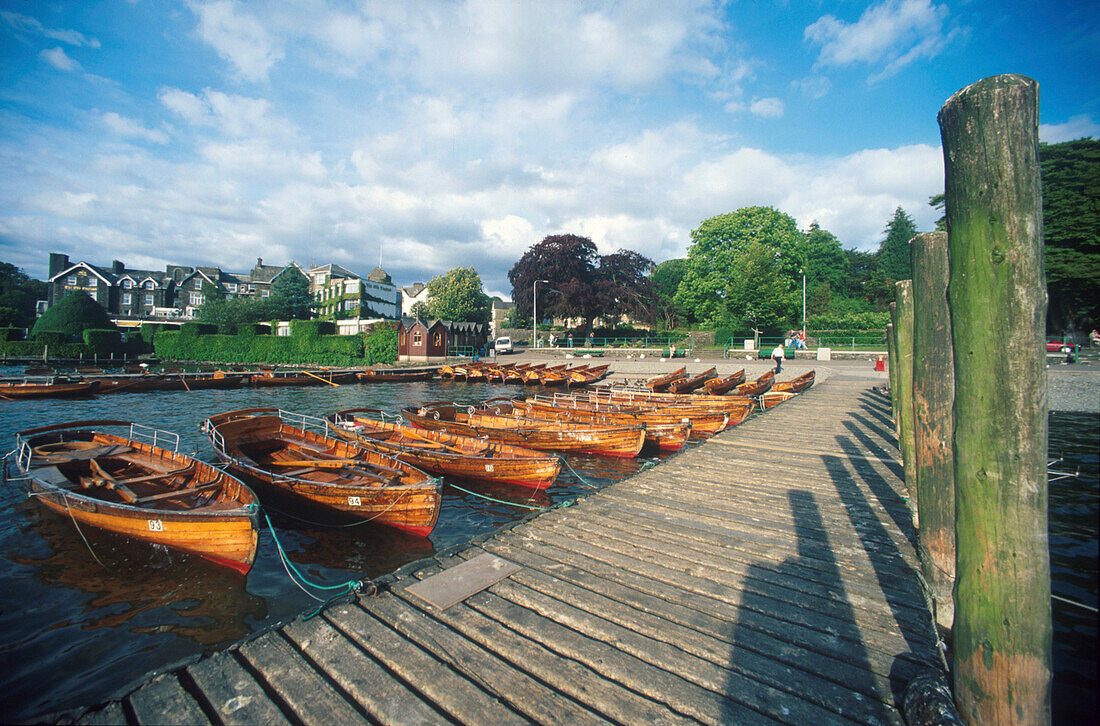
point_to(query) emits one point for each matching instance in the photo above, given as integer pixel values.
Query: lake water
(80, 619)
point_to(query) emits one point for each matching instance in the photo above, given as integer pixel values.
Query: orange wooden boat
(51, 388)
(661, 383)
(625, 441)
(515, 375)
(579, 378)
(704, 424)
(381, 375)
(442, 452)
(761, 385)
(774, 398)
(275, 450)
(668, 402)
(719, 386)
(535, 376)
(795, 385)
(139, 486)
(669, 435)
(687, 385)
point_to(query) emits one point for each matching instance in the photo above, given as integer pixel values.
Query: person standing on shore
(777, 356)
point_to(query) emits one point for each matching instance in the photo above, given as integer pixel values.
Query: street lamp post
(803, 304)
(534, 312)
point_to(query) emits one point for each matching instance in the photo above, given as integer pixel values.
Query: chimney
(117, 267)
(58, 262)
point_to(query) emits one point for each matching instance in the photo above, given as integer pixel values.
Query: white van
(503, 345)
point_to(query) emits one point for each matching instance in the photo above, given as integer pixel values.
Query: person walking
(777, 356)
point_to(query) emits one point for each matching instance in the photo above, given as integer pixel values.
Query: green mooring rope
(498, 501)
(292, 571)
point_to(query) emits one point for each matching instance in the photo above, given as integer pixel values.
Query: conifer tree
(893, 253)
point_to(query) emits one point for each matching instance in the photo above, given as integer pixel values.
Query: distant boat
(761, 385)
(795, 385)
(139, 486)
(687, 385)
(53, 388)
(396, 375)
(662, 382)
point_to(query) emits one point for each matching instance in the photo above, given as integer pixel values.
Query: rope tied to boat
(580, 478)
(498, 501)
(295, 575)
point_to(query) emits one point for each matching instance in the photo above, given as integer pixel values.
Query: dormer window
(149, 285)
(127, 284)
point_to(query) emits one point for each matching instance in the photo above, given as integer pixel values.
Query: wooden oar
(409, 432)
(321, 379)
(319, 463)
(111, 483)
(184, 381)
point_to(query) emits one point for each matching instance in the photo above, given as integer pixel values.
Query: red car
(1057, 346)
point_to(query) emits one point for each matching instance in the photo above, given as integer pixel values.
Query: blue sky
(439, 134)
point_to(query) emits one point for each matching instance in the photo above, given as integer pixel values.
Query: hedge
(103, 342)
(307, 343)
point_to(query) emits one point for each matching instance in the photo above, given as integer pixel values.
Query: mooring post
(903, 331)
(895, 400)
(1002, 632)
(933, 423)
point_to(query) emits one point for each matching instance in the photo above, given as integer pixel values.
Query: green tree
(420, 309)
(18, 296)
(75, 313)
(826, 263)
(458, 296)
(290, 297)
(893, 254)
(666, 279)
(939, 201)
(761, 290)
(707, 290)
(1071, 233)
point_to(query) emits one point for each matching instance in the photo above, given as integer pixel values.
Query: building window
(70, 280)
(125, 298)
(149, 284)
(195, 298)
(265, 294)
(127, 284)
(198, 284)
(417, 339)
(438, 340)
(148, 299)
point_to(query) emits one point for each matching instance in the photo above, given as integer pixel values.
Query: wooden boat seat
(52, 475)
(176, 493)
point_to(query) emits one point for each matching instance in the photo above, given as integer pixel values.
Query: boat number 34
(155, 525)
(354, 501)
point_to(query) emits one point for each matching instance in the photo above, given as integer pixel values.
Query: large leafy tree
(1071, 232)
(666, 278)
(458, 296)
(622, 285)
(894, 257)
(711, 290)
(230, 314)
(75, 313)
(290, 297)
(18, 295)
(570, 263)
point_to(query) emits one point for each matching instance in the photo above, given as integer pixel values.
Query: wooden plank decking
(767, 575)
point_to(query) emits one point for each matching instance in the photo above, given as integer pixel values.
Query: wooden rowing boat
(687, 385)
(719, 386)
(763, 384)
(54, 388)
(536, 375)
(450, 454)
(562, 376)
(372, 375)
(774, 398)
(704, 424)
(140, 486)
(795, 385)
(270, 379)
(667, 401)
(670, 435)
(277, 452)
(515, 375)
(138, 382)
(578, 378)
(661, 383)
(625, 441)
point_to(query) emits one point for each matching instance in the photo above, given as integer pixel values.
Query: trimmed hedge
(307, 343)
(103, 342)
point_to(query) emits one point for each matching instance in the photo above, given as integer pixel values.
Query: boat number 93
(155, 525)
(354, 501)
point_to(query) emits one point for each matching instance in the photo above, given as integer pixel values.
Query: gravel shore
(1077, 391)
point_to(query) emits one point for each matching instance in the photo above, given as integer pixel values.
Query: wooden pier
(767, 575)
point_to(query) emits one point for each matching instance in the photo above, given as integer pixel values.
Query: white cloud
(1077, 127)
(237, 116)
(128, 127)
(892, 33)
(238, 37)
(767, 107)
(27, 24)
(60, 60)
(813, 87)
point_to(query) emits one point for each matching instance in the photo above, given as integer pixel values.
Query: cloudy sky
(433, 134)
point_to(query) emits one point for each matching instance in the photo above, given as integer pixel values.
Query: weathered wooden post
(1002, 633)
(895, 400)
(933, 423)
(903, 331)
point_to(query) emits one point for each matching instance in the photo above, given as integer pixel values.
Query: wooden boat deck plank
(765, 575)
(232, 693)
(164, 701)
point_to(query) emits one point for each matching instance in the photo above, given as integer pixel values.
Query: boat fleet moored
(360, 465)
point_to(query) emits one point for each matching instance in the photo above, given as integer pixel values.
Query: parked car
(503, 345)
(1057, 346)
